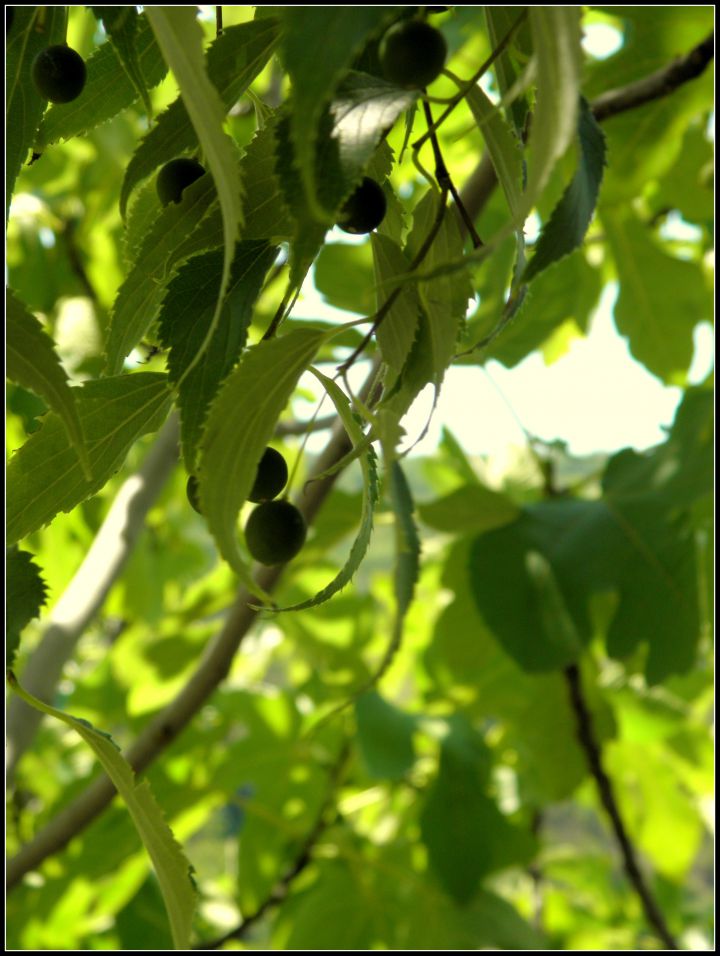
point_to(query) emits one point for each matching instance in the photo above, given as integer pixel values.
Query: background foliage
(457, 801)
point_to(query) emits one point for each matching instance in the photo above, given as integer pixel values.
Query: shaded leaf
(33, 363)
(121, 25)
(45, 475)
(470, 509)
(384, 737)
(25, 594)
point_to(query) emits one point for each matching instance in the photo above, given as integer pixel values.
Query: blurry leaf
(384, 737)
(233, 60)
(318, 46)
(661, 300)
(108, 90)
(185, 316)
(500, 21)
(465, 846)
(239, 426)
(566, 228)
(344, 277)
(25, 594)
(45, 476)
(469, 509)
(32, 32)
(33, 363)
(171, 866)
(121, 25)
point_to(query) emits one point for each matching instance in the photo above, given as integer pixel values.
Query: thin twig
(590, 746)
(304, 856)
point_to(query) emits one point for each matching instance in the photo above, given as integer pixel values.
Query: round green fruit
(59, 74)
(176, 176)
(365, 209)
(191, 490)
(272, 474)
(275, 532)
(412, 54)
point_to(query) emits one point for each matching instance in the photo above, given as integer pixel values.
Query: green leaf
(25, 594)
(108, 90)
(465, 846)
(318, 46)
(444, 298)
(566, 228)
(177, 233)
(34, 29)
(661, 298)
(384, 737)
(121, 25)
(45, 476)
(33, 363)
(180, 38)
(239, 426)
(265, 210)
(503, 146)
(396, 333)
(370, 498)
(500, 20)
(472, 508)
(234, 59)
(343, 274)
(556, 44)
(186, 313)
(172, 868)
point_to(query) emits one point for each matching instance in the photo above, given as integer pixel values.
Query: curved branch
(590, 746)
(211, 671)
(86, 592)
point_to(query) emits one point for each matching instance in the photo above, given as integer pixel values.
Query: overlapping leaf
(33, 30)
(234, 59)
(45, 475)
(108, 89)
(121, 24)
(33, 363)
(25, 594)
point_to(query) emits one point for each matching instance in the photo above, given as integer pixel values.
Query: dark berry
(191, 489)
(271, 476)
(275, 532)
(412, 54)
(175, 176)
(59, 74)
(365, 209)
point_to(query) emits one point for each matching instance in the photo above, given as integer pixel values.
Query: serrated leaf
(234, 59)
(25, 594)
(121, 25)
(186, 313)
(45, 477)
(319, 44)
(363, 109)
(500, 21)
(239, 426)
(172, 867)
(177, 233)
(566, 228)
(444, 299)
(181, 40)
(108, 90)
(370, 498)
(503, 146)
(396, 333)
(33, 363)
(34, 29)
(556, 44)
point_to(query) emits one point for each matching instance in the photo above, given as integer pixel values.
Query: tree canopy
(352, 698)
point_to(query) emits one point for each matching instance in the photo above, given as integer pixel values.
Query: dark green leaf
(25, 594)
(384, 737)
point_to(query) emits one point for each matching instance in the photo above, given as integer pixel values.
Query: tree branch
(211, 671)
(591, 748)
(86, 593)
(481, 183)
